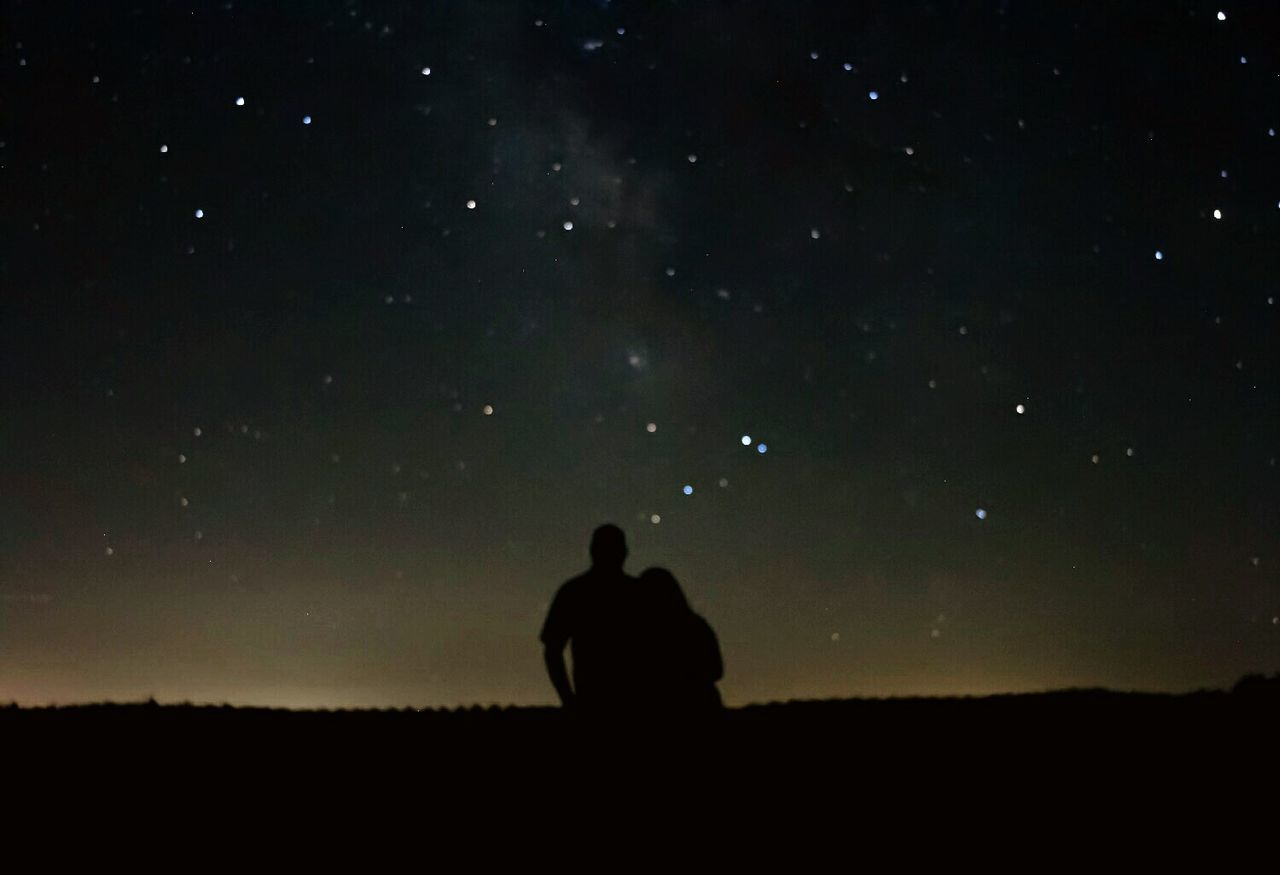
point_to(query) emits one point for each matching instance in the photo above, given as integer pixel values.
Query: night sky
(930, 345)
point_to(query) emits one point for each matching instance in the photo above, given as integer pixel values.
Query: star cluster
(930, 346)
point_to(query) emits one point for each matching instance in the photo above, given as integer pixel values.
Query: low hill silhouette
(1051, 726)
(1043, 769)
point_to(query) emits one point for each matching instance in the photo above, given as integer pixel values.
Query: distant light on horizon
(687, 490)
(980, 513)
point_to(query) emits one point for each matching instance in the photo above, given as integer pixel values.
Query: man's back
(593, 613)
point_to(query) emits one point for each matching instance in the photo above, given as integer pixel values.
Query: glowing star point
(980, 513)
(687, 490)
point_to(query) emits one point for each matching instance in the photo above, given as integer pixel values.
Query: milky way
(930, 345)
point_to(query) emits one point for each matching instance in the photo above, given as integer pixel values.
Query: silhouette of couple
(636, 644)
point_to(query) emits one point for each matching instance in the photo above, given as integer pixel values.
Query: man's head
(608, 547)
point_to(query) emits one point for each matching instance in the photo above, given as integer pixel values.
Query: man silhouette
(593, 613)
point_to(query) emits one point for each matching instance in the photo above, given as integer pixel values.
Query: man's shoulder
(575, 583)
(593, 584)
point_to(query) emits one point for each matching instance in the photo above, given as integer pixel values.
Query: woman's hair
(661, 585)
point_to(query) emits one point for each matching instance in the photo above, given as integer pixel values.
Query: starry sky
(928, 344)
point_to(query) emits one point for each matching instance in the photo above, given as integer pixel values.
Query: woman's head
(661, 589)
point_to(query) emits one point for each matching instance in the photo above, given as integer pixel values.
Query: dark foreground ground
(1056, 770)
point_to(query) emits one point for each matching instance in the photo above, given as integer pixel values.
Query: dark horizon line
(1247, 684)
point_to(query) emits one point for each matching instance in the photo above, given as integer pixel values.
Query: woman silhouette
(684, 662)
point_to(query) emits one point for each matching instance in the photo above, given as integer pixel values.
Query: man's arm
(554, 657)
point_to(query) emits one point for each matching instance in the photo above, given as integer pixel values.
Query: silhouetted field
(1047, 726)
(1077, 753)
